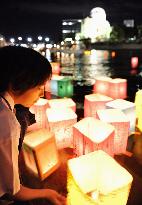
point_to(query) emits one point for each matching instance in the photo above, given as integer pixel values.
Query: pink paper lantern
(118, 88)
(91, 134)
(61, 122)
(55, 68)
(134, 62)
(129, 108)
(39, 109)
(40, 153)
(47, 90)
(62, 103)
(93, 102)
(102, 85)
(121, 123)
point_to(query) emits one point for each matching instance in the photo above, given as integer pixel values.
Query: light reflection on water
(85, 67)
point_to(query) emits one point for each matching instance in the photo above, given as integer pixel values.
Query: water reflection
(85, 66)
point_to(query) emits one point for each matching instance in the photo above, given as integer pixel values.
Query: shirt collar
(9, 99)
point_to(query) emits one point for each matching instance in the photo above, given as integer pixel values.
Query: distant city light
(29, 39)
(46, 39)
(12, 40)
(40, 38)
(20, 38)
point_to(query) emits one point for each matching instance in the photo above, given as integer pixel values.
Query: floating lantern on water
(40, 153)
(61, 122)
(128, 108)
(134, 62)
(62, 103)
(39, 109)
(55, 68)
(118, 88)
(65, 87)
(121, 124)
(96, 178)
(102, 85)
(91, 134)
(138, 103)
(93, 102)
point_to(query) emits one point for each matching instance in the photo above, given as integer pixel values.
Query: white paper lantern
(97, 179)
(62, 103)
(39, 109)
(40, 152)
(90, 134)
(61, 122)
(94, 102)
(128, 108)
(121, 123)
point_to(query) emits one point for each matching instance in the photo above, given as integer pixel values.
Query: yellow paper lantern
(40, 152)
(97, 179)
(138, 103)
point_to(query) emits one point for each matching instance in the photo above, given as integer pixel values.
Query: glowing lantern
(62, 103)
(93, 102)
(134, 62)
(113, 54)
(55, 68)
(47, 90)
(121, 124)
(54, 84)
(40, 152)
(39, 109)
(96, 178)
(102, 85)
(138, 103)
(118, 88)
(65, 87)
(128, 108)
(91, 134)
(61, 122)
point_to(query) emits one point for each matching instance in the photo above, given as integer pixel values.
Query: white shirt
(9, 140)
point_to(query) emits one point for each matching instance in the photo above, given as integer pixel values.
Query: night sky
(44, 17)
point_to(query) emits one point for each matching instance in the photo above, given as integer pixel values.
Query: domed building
(96, 27)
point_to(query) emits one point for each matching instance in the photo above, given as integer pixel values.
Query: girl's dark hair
(22, 69)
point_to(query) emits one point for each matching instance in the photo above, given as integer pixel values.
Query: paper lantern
(61, 122)
(102, 85)
(121, 124)
(47, 90)
(93, 102)
(39, 109)
(40, 153)
(128, 108)
(62, 103)
(65, 87)
(91, 134)
(97, 179)
(138, 103)
(54, 84)
(134, 62)
(118, 88)
(55, 68)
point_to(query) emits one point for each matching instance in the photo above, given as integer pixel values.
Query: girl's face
(29, 97)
